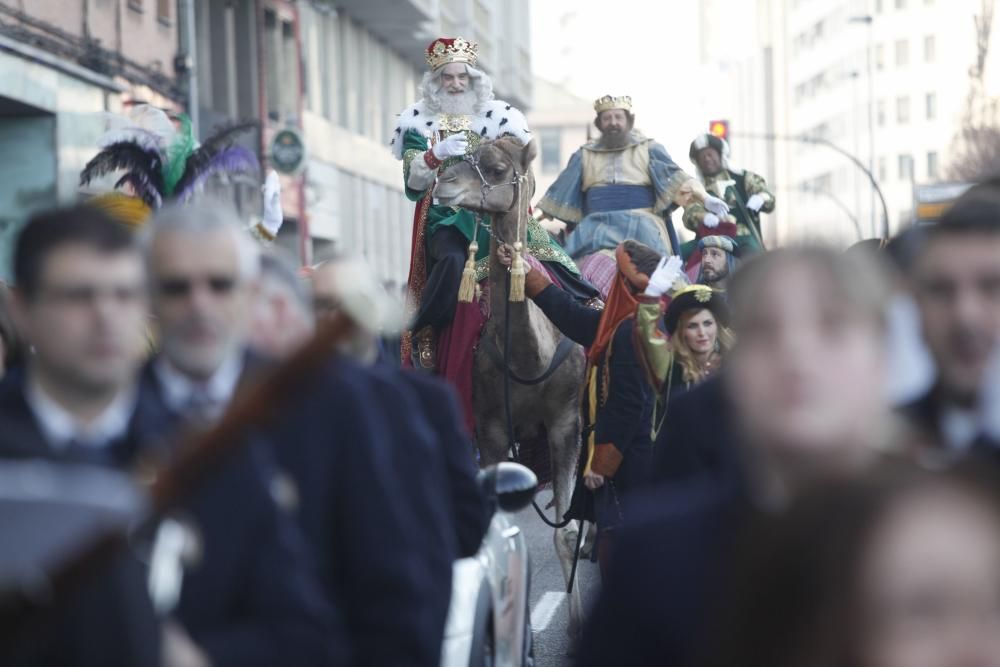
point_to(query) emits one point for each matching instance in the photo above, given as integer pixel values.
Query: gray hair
(430, 88)
(279, 268)
(206, 216)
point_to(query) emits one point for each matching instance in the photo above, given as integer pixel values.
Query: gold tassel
(517, 275)
(467, 289)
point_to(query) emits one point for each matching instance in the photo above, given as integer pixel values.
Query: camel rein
(485, 189)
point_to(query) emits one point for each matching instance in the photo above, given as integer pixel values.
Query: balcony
(399, 23)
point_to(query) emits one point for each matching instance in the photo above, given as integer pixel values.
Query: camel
(497, 179)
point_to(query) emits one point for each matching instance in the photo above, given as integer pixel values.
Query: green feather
(178, 153)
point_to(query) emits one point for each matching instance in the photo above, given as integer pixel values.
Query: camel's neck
(527, 328)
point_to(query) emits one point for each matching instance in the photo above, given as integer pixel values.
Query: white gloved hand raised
(273, 217)
(755, 203)
(715, 205)
(452, 146)
(710, 220)
(666, 274)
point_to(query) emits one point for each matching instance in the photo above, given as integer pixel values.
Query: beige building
(363, 61)
(64, 62)
(883, 80)
(561, 122)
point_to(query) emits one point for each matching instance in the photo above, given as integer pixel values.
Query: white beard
(458, 105)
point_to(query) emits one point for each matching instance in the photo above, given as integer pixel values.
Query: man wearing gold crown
(456, 113)
(622, 186)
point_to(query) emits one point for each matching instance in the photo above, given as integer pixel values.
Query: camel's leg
(491, 439)
(564, 445)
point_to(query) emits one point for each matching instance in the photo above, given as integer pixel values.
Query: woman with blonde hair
(696, 341)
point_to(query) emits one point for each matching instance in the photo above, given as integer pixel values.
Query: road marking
(545, 609)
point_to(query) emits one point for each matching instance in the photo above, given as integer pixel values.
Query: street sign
(288, 151)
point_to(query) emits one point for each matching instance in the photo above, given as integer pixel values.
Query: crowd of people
(766, 490)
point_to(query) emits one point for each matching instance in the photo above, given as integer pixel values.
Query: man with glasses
(366, 489)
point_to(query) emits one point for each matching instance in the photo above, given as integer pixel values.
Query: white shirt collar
(178, 388)
(59, 427)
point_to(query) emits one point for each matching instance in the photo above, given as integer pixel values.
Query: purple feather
(230, 160)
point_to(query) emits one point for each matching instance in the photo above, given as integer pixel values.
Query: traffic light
(719, 128)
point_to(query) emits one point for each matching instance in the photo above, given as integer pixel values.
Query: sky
(648, 50)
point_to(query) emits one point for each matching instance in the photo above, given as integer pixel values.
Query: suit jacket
(374, 504)
(249, 599)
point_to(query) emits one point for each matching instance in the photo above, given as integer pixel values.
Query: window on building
(932, 165)
(883, 170)
(282, 77)
(905, 165)
(550, 146)
(930, 105)
(878, 6)
(880, 113)
(135, 4)
(902, 110)
(930, 49)
(902, 53)
(900, 4)
(880, 56)
(163, 10)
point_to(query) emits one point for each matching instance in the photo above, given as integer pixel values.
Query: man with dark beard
(718, 261)
(622, 186)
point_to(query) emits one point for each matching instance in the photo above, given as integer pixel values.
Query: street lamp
(869, 20)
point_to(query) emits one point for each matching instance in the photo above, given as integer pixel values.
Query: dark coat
(248, 601)
(697, 437)
(468, 504)
(678, 529)
(373, 502)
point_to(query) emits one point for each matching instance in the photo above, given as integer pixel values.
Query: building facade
(64, 63)
(885, 81)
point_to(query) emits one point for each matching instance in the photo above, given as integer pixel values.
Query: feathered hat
(161, 162)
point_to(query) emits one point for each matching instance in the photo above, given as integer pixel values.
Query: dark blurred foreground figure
(367, 491)
(346, 284)
(955, 278)
(801, 395)
(898, 569)
(80, 302)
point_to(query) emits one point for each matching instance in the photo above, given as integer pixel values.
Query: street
(549, 607)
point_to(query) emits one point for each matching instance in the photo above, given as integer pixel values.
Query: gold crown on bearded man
(443, 51)
(608, 102)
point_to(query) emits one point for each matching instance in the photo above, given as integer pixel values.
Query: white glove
(273, 216)
(452, 146)
(755, 203)
(710, 220)
(666, 274)
(717, 206)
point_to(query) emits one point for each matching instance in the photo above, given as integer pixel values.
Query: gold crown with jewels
(607, 102)
(443, 51)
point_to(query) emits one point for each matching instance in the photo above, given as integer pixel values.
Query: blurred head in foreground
(283, 315)
(806, 375)
(901, 569)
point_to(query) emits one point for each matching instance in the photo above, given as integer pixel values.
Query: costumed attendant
(697, 340)
(160, 163)
(617, 404)
(745, 193)
(717, 259)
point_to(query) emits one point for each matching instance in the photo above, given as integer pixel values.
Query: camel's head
(491, 179)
